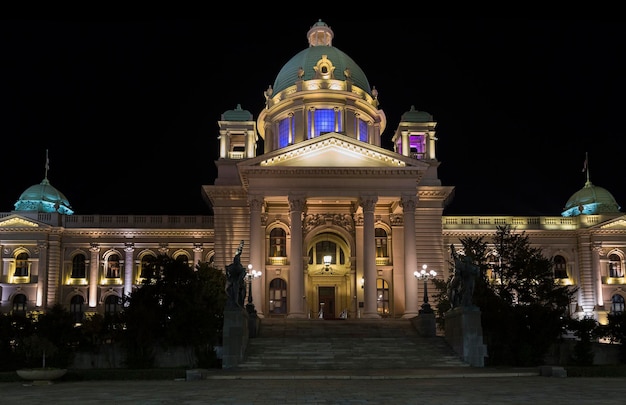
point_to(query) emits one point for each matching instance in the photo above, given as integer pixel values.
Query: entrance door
(326, 296)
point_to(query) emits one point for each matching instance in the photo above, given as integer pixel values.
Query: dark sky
(128, 109)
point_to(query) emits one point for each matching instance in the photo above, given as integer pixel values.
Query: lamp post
(425, 275)
(251, 275)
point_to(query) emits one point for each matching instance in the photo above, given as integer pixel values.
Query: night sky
(128, 110)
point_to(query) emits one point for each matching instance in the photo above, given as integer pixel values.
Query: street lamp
(425, 275)
(251, 275)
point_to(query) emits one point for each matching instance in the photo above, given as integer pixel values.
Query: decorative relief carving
(396, 219)
(358, 219)
(311, 221)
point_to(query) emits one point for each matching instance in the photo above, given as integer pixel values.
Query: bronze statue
(461, 287)
(235, 285)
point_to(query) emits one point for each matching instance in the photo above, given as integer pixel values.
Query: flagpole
(586, 166)
(47, 165)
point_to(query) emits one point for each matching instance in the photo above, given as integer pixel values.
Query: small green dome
(414, 115)
(238, 114)
(43, 197)
(590, 200)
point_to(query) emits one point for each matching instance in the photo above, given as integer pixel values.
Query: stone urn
(41, 376)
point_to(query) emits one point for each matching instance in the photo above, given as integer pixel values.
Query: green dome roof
(43, 197)
(238, 114)
(590, 200)
(416, 116)
(308, 58)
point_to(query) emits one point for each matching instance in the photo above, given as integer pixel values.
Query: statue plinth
(235, 337)
(464, 333)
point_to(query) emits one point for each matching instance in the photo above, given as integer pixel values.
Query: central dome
(43, 197)
(590, 200)
(303, 65)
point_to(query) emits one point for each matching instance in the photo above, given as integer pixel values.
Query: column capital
(297, 202)
(368, 202)
(408, 202)
(256, 202)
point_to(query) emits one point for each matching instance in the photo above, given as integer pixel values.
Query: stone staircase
(347, 344)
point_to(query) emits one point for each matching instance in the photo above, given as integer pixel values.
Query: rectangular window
(362, 131)
(283, 133)
(418, 146)
(323, 121)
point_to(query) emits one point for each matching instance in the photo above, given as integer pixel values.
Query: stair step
(345, 344)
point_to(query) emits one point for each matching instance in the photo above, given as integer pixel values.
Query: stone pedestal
(235, 337)
(253, 321)
(464, 333)
(425, 324)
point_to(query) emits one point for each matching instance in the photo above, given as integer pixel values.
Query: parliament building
(335, 223)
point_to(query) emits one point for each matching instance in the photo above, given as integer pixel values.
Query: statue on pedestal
(461, 288)
(235, 283)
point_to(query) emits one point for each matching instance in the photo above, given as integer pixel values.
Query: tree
(615, 330)
(524, 311)
(176, 306)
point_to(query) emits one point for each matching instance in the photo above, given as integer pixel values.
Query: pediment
(18, 221)
(333, 150)
(617, 223)
(329, 160)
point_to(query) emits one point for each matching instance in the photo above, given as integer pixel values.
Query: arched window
(617, 304)
(111, 305)
(382, 297)
(78, 266)
(19, 305)
(278, 296)
(278, 241)
(493, 267)
(615, 266)
(147, 266)
(183, 258)
(76, 308)
(560, 267)
(113, 266)
(381, 242)
(21, 265)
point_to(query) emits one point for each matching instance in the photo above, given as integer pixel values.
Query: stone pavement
(428, 386)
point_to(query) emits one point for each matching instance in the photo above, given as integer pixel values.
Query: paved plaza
(415, 387)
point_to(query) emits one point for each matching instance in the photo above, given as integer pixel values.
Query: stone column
(197, 254)
(596, 275)
(53, 269)
(128, 268)
(296, 276)
(256, 252)
(42, 275)
(411, 299)
(93, 275)
(406, 144)
(368, 202)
